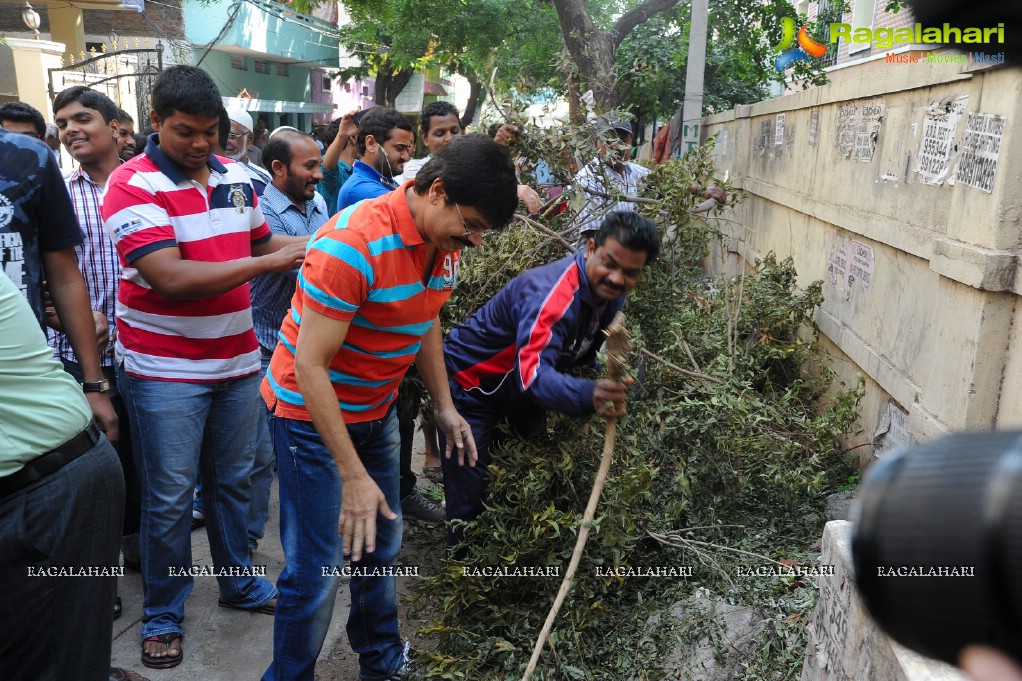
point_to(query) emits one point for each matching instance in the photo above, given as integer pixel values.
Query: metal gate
(126, 76)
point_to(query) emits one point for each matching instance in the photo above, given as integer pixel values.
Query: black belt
(38, 468)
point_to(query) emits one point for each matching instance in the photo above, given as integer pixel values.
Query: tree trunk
(389, 84)
(594, 51)
(575, 113)
(475, 98)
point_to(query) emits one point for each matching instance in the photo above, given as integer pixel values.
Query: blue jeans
(262, 470)
(57, 628)
(177, 429)
(310, 507)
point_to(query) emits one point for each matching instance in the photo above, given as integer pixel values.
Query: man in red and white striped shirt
(190, 235)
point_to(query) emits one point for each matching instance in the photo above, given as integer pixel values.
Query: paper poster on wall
(937, 147)
(868, 132)
(766, 136)
(720, 149)
(847, 128)
(981, 147)
(849, 262)
(858, 129)
(779, 130)
(814, 126)
(892, 431)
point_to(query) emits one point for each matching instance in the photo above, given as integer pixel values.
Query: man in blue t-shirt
(384, 144)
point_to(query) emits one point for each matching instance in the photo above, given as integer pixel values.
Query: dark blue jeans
(465, 486)
(179, 428)
(58, 628)
(310, 507)
(263, 469)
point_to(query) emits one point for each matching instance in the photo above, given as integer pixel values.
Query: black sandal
(117, 607)
(434, 474)
(167, 661)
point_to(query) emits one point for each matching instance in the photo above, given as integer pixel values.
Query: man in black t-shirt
(38, 235)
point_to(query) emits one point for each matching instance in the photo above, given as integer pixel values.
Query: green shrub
(739, 460)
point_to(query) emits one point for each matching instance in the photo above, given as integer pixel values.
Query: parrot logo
(807, 46)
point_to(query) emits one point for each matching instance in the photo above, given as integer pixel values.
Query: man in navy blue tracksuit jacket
(510, 359)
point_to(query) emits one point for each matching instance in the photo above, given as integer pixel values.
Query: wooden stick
(618, 347)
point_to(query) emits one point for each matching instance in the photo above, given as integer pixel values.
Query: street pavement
(220, 644)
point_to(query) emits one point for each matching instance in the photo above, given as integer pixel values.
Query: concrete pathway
(219, 644)
(229, 645)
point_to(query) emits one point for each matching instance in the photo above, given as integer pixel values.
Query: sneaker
(198, 520)
(419, 507)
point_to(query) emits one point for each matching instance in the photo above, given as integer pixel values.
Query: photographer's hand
(988, 664)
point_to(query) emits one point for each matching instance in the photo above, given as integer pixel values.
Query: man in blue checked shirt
(292, 207)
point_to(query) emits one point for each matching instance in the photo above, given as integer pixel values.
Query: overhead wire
(232, 14)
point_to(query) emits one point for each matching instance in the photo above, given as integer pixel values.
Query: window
(237, 62)
(326, 83)
(282, 69)
(365, 90)
(830, 58)
(347, 87)
(261, 66)
(862, 17)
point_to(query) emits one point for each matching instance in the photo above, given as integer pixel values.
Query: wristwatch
(96, 386)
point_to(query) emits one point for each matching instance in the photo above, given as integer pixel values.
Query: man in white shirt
(608, 181)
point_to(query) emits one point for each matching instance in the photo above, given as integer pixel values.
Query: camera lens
(937, 544)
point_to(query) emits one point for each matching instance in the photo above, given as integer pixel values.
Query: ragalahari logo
(807, 46)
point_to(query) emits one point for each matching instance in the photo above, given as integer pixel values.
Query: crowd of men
(187, 314)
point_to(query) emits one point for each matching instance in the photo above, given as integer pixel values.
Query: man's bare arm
(70, 296)
(177, 279)
(430, 363)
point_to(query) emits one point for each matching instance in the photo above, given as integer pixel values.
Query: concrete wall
(262, 26)
(921, 281)
(845, 644)
(295, 87)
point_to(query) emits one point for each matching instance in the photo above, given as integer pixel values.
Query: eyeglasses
(481, 232)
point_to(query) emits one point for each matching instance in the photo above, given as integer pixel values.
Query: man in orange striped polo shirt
(366, 305)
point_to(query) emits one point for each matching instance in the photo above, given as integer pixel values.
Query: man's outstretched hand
(459, 438)
(610, 396)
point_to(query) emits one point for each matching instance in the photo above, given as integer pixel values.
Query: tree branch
(564, 243)
(622, 197)
(629, 20)
(686, 372)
